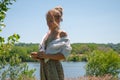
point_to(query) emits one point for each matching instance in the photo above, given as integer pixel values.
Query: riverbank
(106, 77)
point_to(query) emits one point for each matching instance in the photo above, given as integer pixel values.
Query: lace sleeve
(66, 49)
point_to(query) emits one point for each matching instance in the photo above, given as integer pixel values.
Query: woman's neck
(54, 30)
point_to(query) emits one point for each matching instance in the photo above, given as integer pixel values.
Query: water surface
(71, 69)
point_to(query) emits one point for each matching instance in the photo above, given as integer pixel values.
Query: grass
(106, 77)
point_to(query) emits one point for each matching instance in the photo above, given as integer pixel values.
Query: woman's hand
(34, 55)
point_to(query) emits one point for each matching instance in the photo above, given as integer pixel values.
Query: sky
(85, 21)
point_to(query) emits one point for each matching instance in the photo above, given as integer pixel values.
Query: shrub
(15, 70)
(75, 58)
(103, 62)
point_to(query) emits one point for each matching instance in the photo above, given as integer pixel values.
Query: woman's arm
(42, 55)
(58, 56)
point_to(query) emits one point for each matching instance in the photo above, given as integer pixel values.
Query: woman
(54, 47)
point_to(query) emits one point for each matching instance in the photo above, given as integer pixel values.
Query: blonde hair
(60, 9)
(56, 12)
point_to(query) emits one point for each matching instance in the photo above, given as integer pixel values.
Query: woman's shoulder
(62, 33)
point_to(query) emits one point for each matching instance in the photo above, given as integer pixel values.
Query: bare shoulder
(63, 34)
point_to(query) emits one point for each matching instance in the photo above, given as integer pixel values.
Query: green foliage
(115, 47)
(10, 65)
(6, 47)
(79, 50)
(12, 39)
(15, 69)
(102, 62)
(24, 50)
(76, 58)
(26, 72)
(84, 48)
(3, 9)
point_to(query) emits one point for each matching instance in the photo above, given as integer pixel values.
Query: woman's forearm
(58, 56)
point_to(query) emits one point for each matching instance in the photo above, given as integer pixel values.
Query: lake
(71, 69)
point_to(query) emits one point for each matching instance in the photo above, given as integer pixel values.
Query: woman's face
(52, 21)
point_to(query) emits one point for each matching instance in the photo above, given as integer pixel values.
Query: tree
(14, 63)
(3, 9)
(11, 39)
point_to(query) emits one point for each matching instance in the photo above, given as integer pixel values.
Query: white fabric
(61, 45)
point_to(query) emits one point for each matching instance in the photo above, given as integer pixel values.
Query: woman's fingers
(42, 55)
(38, 55)
(33, 53)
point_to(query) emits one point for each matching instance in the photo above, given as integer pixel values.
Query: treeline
(79, 50)
(24, 50)
(82, 48)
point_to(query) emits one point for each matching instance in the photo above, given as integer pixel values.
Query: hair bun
(60, 9)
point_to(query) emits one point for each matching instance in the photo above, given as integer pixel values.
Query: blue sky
(85, 21)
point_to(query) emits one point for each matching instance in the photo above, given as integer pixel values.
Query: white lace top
(61, 45)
